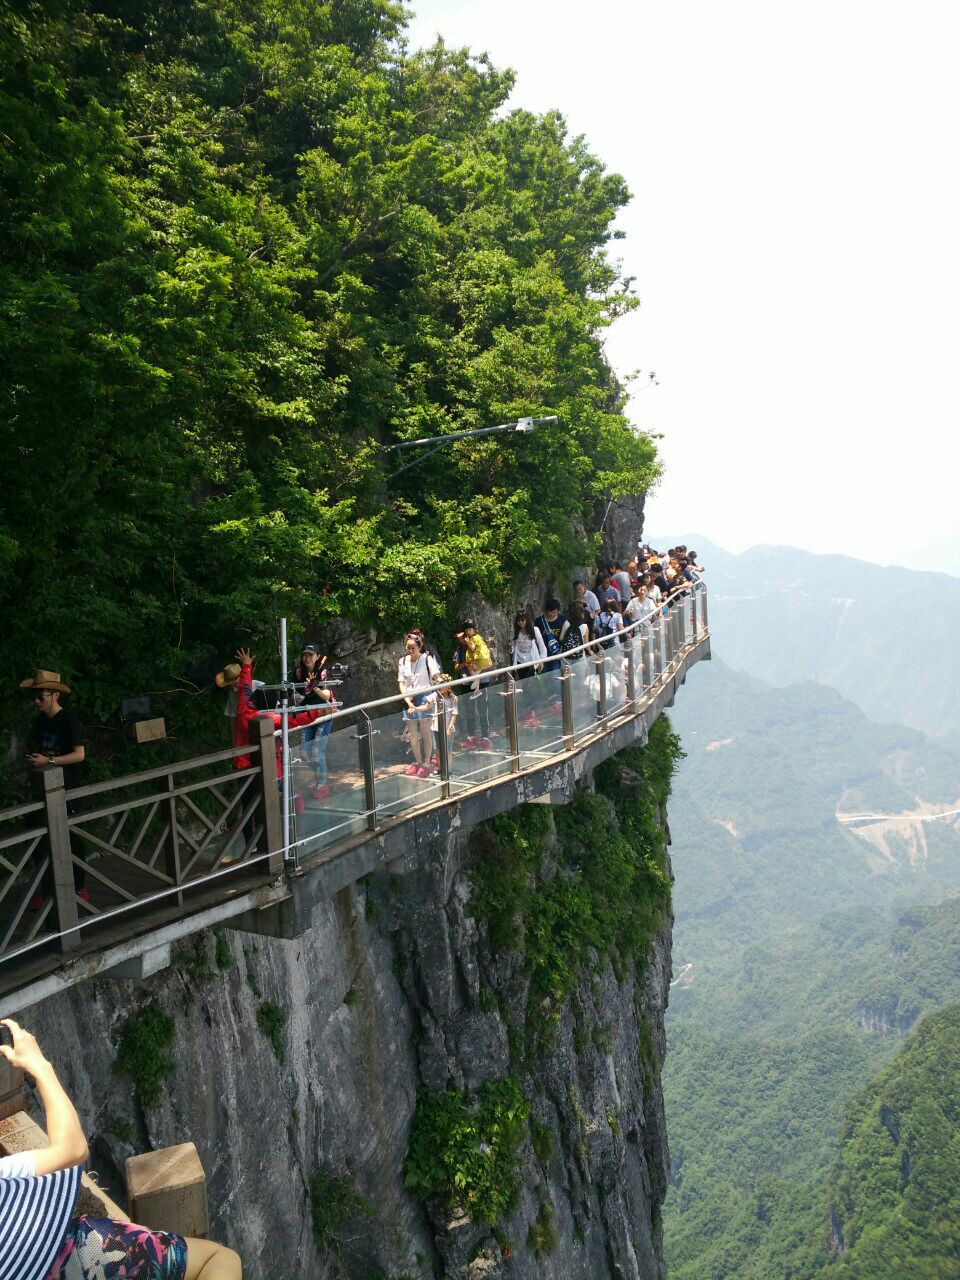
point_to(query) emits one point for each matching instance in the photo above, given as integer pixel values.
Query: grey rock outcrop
(394, 988)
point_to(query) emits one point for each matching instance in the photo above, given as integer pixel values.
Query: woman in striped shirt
(39, 1237)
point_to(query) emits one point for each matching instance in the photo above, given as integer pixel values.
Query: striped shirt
(35, 1214)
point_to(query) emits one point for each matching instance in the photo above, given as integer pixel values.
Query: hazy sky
(795, 237)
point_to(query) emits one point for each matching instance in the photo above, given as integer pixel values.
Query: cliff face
(531, 956)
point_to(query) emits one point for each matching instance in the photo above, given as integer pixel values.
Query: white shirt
(418, 674)
(529, 648)
(21, 1165)
(637, 610)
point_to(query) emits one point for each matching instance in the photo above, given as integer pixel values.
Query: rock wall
(297, 1067)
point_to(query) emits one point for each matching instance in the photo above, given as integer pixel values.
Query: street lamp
(523, 425)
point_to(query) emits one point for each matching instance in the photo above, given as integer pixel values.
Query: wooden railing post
(167, 1190)
(61, 861)
(271, 838)
(173, 837)
(13, 1096)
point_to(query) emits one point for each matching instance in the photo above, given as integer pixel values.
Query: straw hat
(228, 677)
(45, 680)
(35, 1214)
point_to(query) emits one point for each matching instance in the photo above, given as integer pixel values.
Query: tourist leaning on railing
(39, 1237)
(415, 674)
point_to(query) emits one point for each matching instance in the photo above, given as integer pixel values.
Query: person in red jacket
(246, 712)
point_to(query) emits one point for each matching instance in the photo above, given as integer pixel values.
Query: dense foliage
(569, 889)
(246, 248)
(895, 1192)
(467, 1150)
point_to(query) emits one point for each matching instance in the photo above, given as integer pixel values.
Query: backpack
(549, 639)
(572, 640)
(604, 627)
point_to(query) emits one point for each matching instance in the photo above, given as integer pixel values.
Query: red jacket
(246, 712)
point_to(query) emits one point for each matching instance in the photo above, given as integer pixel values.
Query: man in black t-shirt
(57, 739)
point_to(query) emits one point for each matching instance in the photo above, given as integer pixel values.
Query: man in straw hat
(57, 738)
(228, 679)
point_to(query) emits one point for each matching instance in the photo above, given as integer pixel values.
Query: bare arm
(76, 756)
(67, 1146)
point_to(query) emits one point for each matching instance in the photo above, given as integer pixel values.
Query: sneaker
(37, 902)
(425, 771)
(468, 744)
(435, 759)
(83, 895)
(558, 706)
(321, 793)
(477, 693)
(412, 770)
(486, 744)
(533, 721)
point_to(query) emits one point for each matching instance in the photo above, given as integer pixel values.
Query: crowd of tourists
(588, 626)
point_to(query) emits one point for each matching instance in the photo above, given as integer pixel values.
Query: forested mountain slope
(884, 637)
(803, 954)
(246, 249)
(759, 853)
(895, 1190)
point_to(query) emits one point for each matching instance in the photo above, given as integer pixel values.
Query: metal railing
(157, 839)
(148, 838)
(352, 767)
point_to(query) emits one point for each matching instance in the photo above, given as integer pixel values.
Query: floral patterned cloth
(101, 1249)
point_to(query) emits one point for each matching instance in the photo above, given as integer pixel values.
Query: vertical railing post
(695, 613)
(172, 851)
(566, 703)
(443, 751)
(602, 686)
(704, 624)
(61, 859)
(513, 724)
(662, 637)
(631, 667)
(365, 738)
(651, 654)
(271, 829)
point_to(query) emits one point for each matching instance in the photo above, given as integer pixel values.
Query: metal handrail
(590, 649)
(672, 636)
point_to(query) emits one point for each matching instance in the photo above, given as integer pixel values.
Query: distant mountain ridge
(884, 637)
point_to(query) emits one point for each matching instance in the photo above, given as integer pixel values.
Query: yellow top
(477, 652)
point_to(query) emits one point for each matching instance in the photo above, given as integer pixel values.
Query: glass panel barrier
(405, 771)
(584, 684)
(539, 716)
(327, 774)
(481, 741)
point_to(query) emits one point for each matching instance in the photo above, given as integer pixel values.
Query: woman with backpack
(528, 645)
(415, 674)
